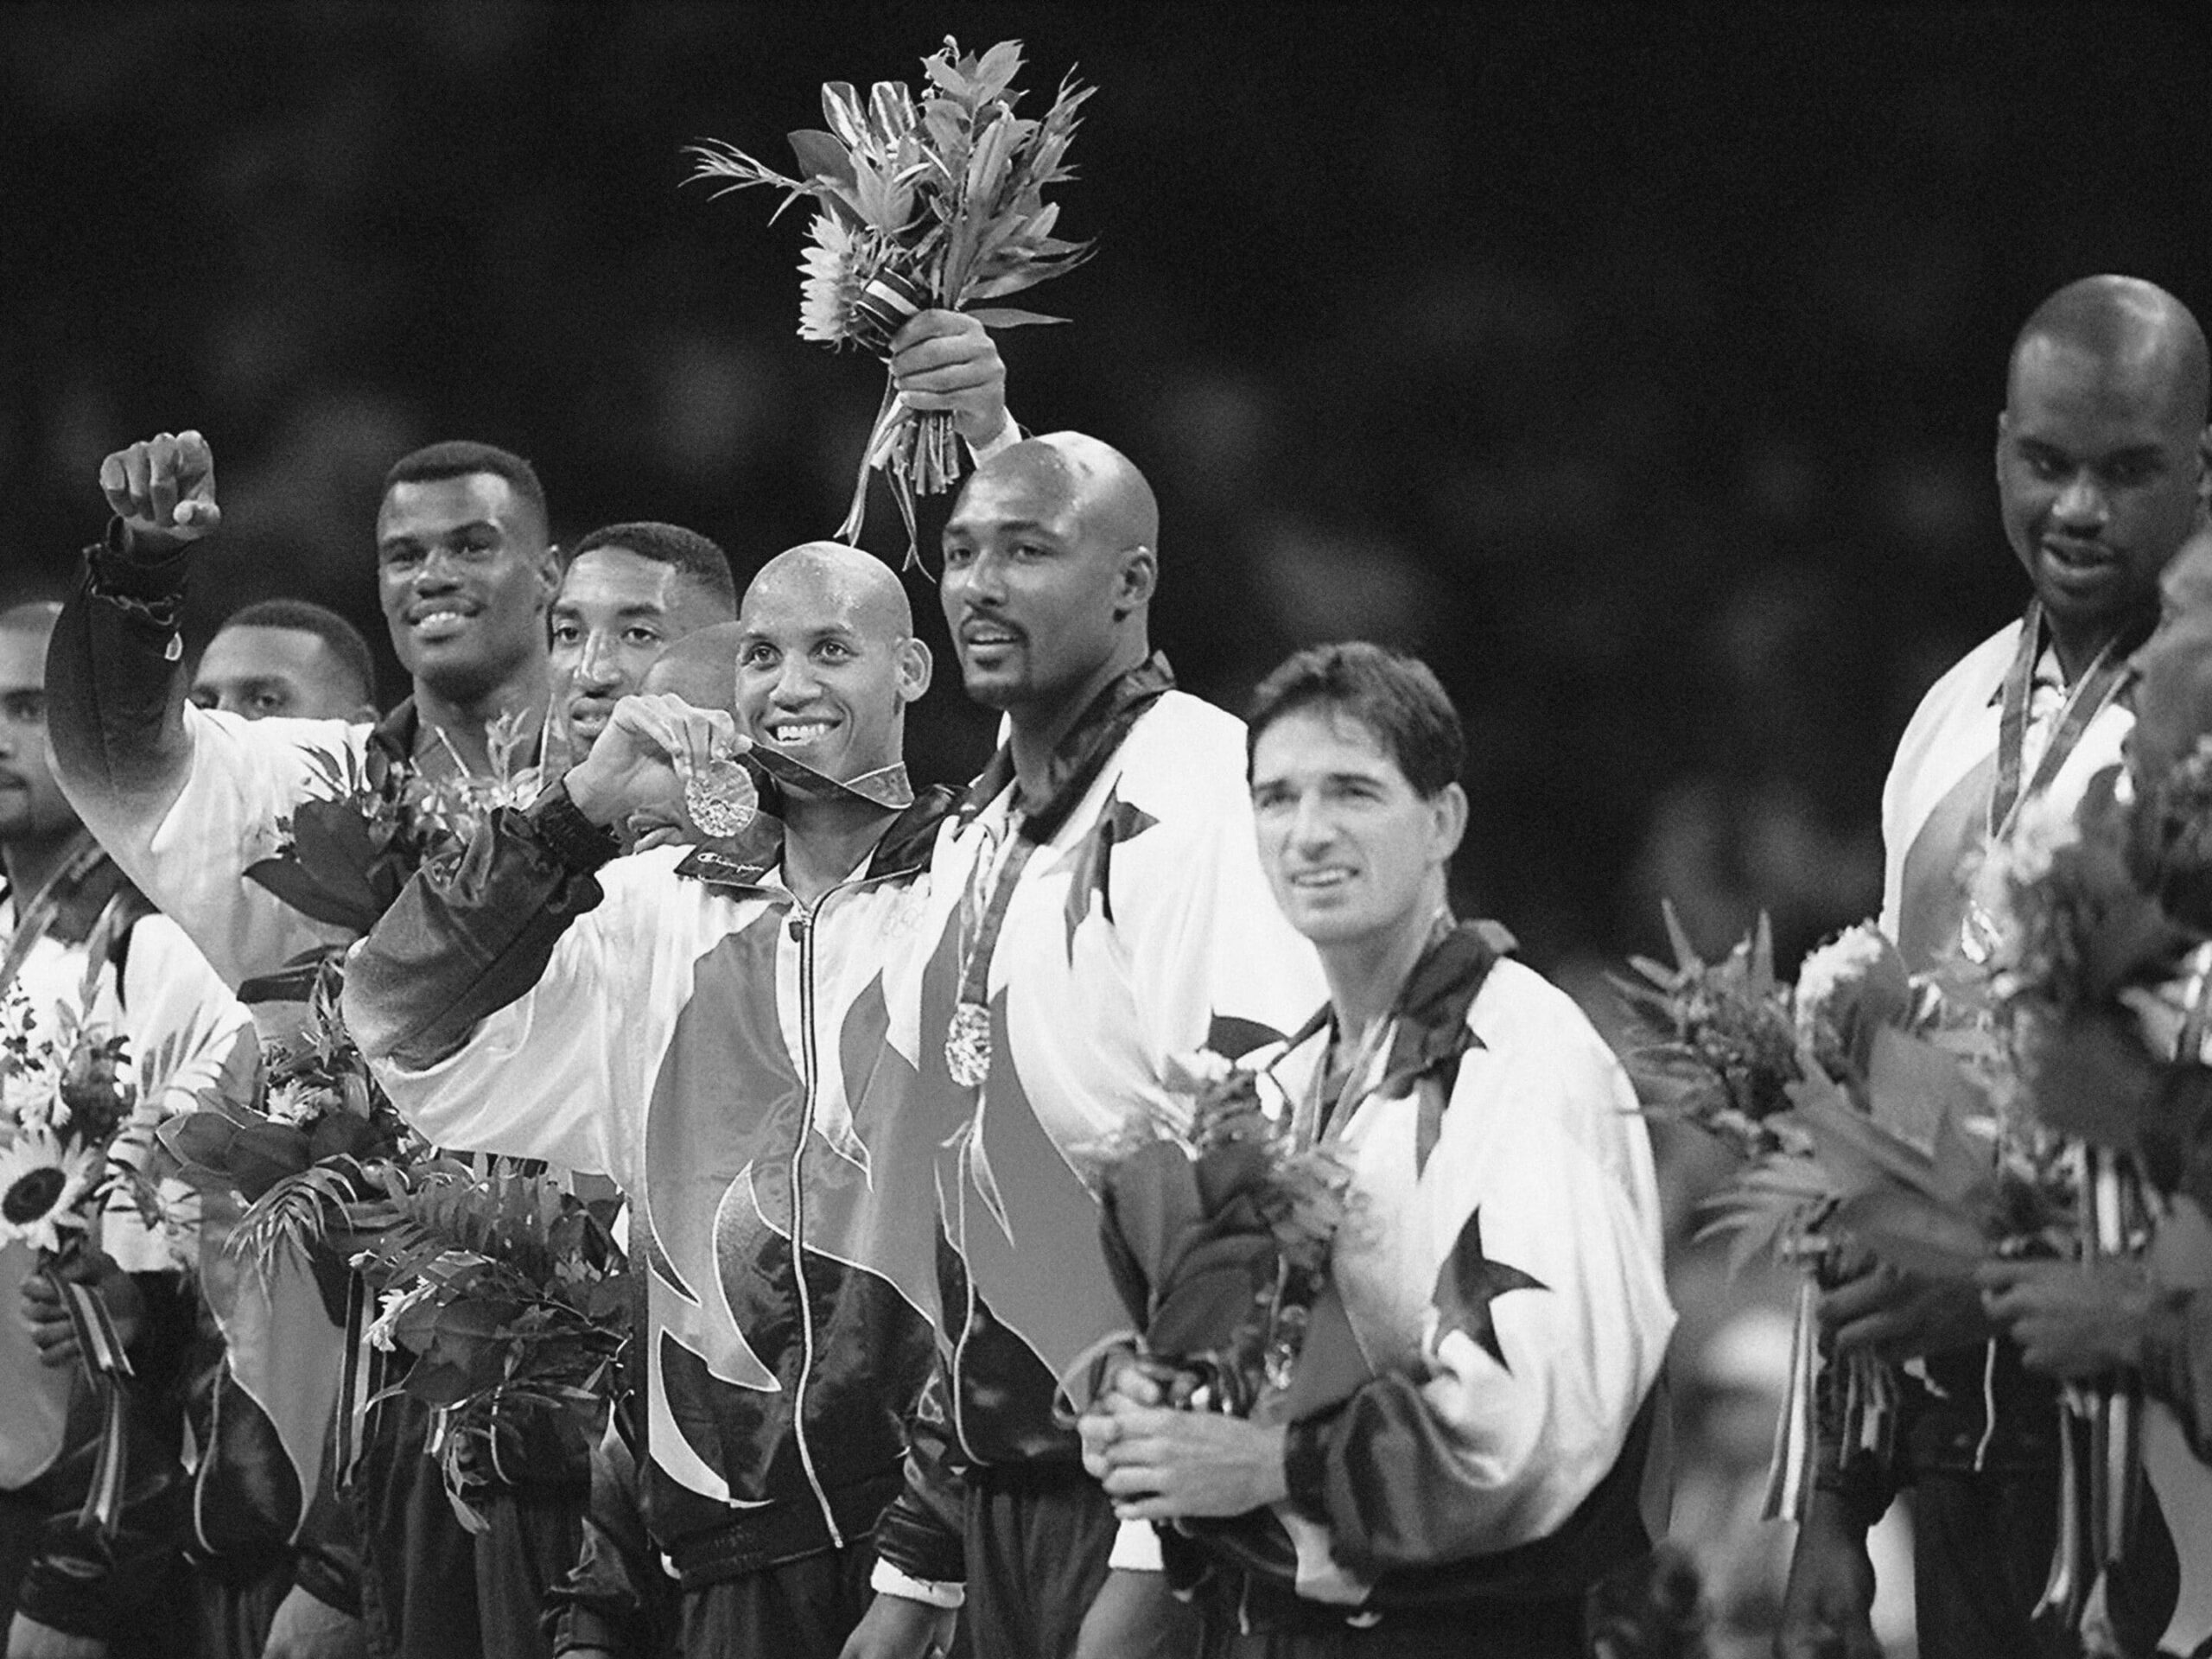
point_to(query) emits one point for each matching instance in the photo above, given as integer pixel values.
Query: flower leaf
(822, 156)
(1006, 316)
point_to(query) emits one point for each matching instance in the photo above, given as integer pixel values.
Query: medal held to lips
(721, 797)
(968, 1045)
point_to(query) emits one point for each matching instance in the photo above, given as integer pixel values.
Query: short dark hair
(458, 458)
(1396, 697)
(688, 551)
(305, 616)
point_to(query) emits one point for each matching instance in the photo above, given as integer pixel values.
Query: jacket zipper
(802, 927)
(803, 917)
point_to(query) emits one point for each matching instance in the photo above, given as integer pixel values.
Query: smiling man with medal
(1096, 909)
(697, 1021)
(2100, 453)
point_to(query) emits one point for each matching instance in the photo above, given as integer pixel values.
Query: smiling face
(261, 673)
(2097, 472)
(1355, 855)
(1045, 584)
(464, 574)
(616, 612)
(32, 807)
(827, 662)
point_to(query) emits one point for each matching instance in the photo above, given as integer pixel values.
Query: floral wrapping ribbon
(107, 1365)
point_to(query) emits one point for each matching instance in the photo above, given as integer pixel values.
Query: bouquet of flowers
(76, 1119)
(1219, 1236)
(298, 1137)
(2058, 921)
(1866, 1116)
(2082, 911)
(345, 853)
(507, 1291)
(934, 201)
(1725, 1044)
(510, 1293)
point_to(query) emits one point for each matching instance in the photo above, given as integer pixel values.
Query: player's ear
(1447, 821)
(916, 667)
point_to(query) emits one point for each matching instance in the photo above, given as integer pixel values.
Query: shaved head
(827, 659)
(2101, 456)
(2135, 332)
(845, 577)
(1102, 484)
(1051, 558)
(700, 668)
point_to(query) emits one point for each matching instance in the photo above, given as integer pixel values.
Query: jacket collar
(1081, 755)
(1431, 1008)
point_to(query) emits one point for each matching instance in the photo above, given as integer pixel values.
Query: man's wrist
(590, 797)
(151, 590)
(943, 1593)
(572, 834)
(1004, 435)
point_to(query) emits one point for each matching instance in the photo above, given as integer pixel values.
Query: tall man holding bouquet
(1463, 1445)
(2099, 452)
(1095, 911)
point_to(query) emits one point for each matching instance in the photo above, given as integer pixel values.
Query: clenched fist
(163, 489)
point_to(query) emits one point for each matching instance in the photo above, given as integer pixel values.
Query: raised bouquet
(76, 1119)
(346, 852)
(928, 200)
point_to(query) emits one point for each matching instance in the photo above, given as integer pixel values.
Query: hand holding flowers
(928, 203)
(1217, 1237)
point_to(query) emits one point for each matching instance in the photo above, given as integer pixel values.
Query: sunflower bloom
(42, 1184)
(836, 269)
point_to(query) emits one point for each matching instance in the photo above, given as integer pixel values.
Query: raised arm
(516, 1000)
(183, 799)
(116, 676)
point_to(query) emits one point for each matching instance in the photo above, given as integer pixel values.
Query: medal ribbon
(1078, 761)
(38, 916)
(886, 786)
(2085, 700)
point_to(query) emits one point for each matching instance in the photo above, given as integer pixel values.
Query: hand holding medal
(662, 762)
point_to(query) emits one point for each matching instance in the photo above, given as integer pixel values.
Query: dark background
(1639, 368)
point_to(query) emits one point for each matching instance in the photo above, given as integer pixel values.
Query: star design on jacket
(1091, 861)
(1468, 1283)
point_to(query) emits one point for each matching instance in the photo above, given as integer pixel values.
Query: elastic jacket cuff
(579, 844)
